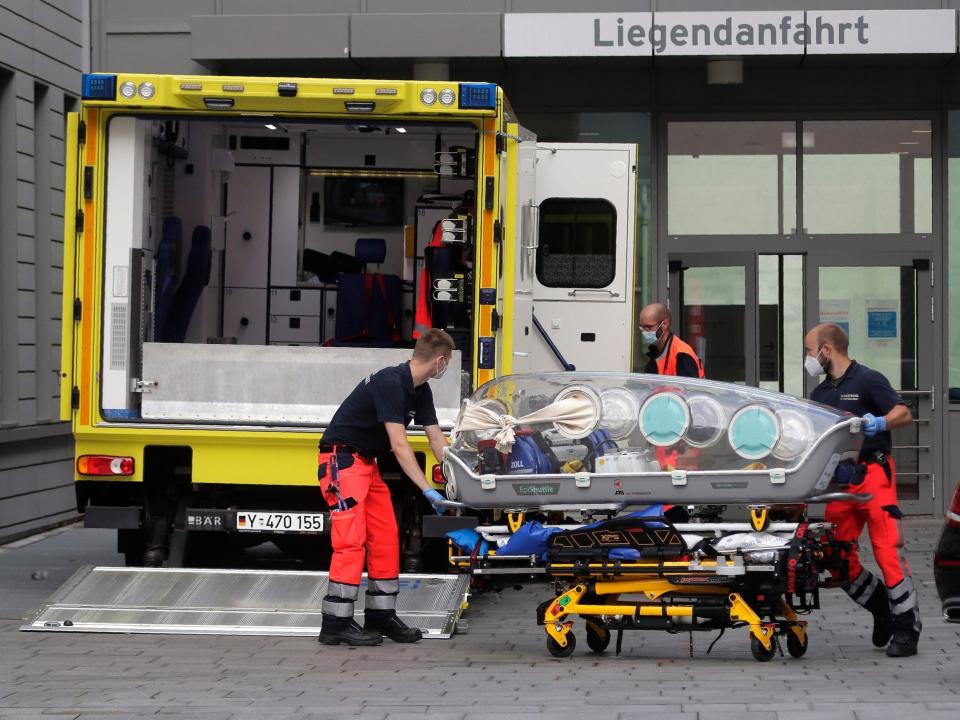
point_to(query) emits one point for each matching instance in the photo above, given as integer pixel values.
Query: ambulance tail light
(105, 465)
(97, 86)
(438, 478)
(478, 96)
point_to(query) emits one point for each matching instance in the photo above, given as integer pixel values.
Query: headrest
(371, 250)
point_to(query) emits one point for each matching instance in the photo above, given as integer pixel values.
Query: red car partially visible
(946, 562)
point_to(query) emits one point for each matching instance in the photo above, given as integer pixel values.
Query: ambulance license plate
(279, 522)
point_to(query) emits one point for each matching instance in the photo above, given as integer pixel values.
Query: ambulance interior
(278, 232)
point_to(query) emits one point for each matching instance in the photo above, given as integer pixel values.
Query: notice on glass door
(837, 312)
(882, 320)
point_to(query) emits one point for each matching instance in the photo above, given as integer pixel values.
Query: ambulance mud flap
(182, 601)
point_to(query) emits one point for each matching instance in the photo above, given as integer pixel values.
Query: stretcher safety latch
(582, 479)
(778, 476)
(678, 477)
(488, 482)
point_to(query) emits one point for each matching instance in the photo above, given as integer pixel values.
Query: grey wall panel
(426, 35)
(15, 26)
(27, 309)
(25, 194)
(732, 5)
(144, 12)
(26, 327)
(25, 167)
(14, 55)
(277, 7)
(269, 36)
(56, 73)
(73, 8)
(150, 53)
(54, 20)
(57, 47)
(444, 6)
(26, 249)
(26, 222)
(27, 385)
(22, 515)
(579, 6)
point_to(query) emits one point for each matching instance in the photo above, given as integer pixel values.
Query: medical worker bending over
(857, 389)
(371, 422)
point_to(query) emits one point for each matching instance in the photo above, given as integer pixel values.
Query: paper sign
(837, 312)
(882, 319)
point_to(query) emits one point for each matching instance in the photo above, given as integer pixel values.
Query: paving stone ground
(498, 669)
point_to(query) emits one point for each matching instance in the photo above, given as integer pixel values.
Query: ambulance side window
(578, 239)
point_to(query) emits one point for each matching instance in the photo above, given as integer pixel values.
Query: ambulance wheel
(760, 653)
(598, 638)
(562, 651)
(795, 646)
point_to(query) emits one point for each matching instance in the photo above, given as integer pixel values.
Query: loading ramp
(196, 601)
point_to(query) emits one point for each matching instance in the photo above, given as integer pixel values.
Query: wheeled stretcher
(650, 440)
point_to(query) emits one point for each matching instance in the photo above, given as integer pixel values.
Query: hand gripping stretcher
(563, 445)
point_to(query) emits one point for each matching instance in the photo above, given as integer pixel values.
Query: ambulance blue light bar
(478, 96)
(99, 87)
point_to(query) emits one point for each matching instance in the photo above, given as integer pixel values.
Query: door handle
(611, 293)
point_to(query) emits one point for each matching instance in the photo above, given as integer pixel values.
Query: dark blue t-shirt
(387, 395)
(859, 391)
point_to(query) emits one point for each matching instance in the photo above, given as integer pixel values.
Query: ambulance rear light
(191, 86)
(104, 465)
(428, 96)
(147, 90)
(478, 96)
(385, 91)
(358, 106)
(447, 96)
(438, 478)
(215, 103)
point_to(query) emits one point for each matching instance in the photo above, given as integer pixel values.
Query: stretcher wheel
(598, 638)
(760, 652)
(562, 651)
(795, 646)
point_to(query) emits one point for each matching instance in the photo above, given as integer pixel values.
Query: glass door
(884, 302)
(713, 298)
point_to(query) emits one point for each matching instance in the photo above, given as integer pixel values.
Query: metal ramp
(228, 602)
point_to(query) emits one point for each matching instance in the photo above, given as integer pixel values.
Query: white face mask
(812, 365)
(441, 368)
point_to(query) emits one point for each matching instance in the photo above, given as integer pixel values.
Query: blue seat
(168, 272)
(195, 279)
(369, 305)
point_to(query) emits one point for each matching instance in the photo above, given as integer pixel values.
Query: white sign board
(644, 34)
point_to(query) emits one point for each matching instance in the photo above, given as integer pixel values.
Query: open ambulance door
(583, 265)
(72, 204)
(520, 319)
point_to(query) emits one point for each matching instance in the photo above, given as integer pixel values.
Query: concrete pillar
(431, 70)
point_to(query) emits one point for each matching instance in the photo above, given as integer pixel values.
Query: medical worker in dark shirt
(371, 422)
(859, 390)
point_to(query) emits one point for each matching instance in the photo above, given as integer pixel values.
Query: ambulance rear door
(583, 272)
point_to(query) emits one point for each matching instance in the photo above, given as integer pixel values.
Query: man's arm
(898, 417)
(438, 441)
(687, 366)
(404, 454)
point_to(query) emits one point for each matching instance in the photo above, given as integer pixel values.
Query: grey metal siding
(426, 35)
(40, 62)
(271, 36)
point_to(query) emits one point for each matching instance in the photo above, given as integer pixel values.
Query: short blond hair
(433, 343)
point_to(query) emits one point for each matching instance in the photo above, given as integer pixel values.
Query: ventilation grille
(118, 336)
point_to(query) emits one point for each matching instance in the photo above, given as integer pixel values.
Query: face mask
(650, 336)
(812, 365)
(441, 368)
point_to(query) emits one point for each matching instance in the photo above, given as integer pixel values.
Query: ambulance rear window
(577, 243)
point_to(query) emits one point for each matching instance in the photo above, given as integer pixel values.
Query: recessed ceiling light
(270, 126)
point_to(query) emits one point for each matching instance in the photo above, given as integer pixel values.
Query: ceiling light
(270, 126)
(400, 130)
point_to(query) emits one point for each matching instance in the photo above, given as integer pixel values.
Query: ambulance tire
(795, 647)
(562, 651)
(598, 638)
(760, 653)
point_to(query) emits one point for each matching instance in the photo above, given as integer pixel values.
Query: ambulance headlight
(428, 96)
(447, 96)
(147, 90)
(128, 89)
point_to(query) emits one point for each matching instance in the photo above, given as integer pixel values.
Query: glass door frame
(927, 417)
(677, 262)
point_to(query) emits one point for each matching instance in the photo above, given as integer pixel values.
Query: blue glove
(873, 424)
(435, 499)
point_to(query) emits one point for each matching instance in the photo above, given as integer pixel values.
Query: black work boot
(337, 630)
(392, 626)
(906, 635)
(879, 606)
